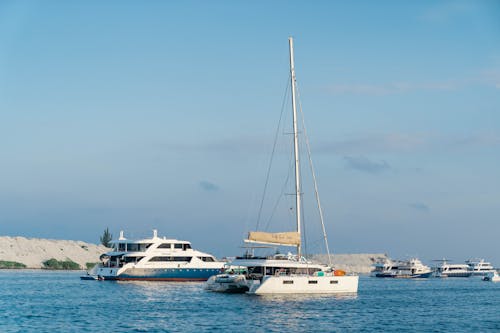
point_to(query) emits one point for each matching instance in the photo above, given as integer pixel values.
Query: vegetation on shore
(90, 265)
(11, 264)
(60, 264)
(106, 238)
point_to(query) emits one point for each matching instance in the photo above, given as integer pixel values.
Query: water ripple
(39, 301)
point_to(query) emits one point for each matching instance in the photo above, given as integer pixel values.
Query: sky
(136, 115)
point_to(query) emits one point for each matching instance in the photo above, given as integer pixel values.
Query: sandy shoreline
(34, 251)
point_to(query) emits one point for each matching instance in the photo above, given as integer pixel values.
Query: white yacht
(479, 267)
(155, 258)
(286, 274)
(445, 269)
(387, 266)
(410, 269)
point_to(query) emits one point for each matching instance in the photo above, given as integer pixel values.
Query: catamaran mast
(296, 147)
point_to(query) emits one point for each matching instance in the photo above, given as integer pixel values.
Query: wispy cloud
(491, 76)
(421, 207)
(363, 164)
(408, 143)
(486, 77)
(228, 145)
(208, 186)
(353, 145)
(381, 89)
(444, 12)
(380, 143)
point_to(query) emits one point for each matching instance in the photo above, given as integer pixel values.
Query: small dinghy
(227, 283)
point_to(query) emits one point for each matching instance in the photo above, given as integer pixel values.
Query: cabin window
(182, 258)
(160, 259)
(334, 282)
(186, 246)
(132, 259)
(313, 282)
(288, 282)
(165, 246)
(121, 247)
(178, 246)
(256, 270)
(170, 259)
(133, 247)
(207, 259)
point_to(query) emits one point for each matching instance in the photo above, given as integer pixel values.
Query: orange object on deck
(339, 272)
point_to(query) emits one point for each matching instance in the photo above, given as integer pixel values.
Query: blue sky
(139, 115)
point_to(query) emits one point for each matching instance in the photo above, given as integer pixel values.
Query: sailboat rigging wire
(272, 153)
(283, 189)
(316, 193)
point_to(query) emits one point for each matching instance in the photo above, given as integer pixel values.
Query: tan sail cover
(291, 238)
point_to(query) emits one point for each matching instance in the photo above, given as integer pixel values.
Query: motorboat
(493, 277)
(286, 273)
(387, 266)
(409, 269)
(444, 269)
(155, 258)
(232, 280)
(479, 267)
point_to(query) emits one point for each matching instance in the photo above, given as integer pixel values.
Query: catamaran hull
(168, 274)
(305, 285)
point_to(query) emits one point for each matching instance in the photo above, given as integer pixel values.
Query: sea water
(45, 301)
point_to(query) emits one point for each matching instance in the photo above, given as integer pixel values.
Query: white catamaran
(284, 274)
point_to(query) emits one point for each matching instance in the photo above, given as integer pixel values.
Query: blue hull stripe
(169, 274)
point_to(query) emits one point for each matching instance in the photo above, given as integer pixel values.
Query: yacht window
(132, 259)
(334, 282)
(160, 259)
(207, 259)
(170, 259)
(121, 247)
(186, 246)
(288, 282)
(165, 246)
(178, 246)
(133, 247)
(313, 282)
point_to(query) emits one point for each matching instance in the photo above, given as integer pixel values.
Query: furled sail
(291, 238)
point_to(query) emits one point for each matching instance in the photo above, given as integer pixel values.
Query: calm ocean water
(40, 301)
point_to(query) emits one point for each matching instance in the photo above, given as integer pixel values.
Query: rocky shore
(360, 263)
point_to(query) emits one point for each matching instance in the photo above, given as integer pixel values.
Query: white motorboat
(445, 269)
(479, 267)
(233, 280)
(380, 269)
(286, 274)
(410, 269)
(155, 258)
